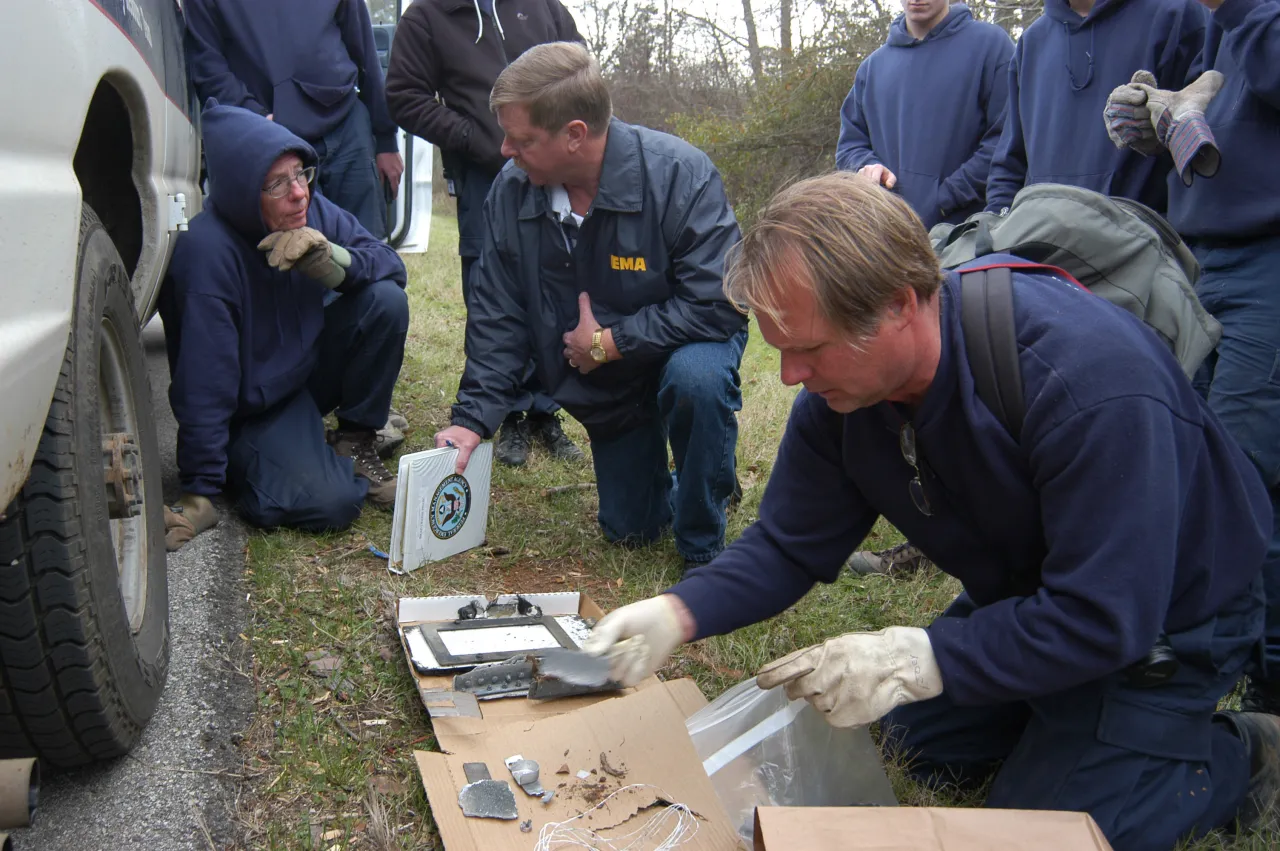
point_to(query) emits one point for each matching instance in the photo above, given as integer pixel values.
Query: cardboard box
(924, 829)
(641, 733)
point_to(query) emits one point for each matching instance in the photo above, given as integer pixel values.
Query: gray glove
(1127, 117)
(1178, 118)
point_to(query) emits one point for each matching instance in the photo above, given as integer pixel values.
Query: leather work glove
(859, 677)
(637, 639)
(1178, 118)
(1127, 117)
(308, 251)
(191, 515)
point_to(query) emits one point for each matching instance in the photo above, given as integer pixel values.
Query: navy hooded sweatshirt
(1063, 69)
(930, 111)
(242, 336)
(303, 61)
(1241, 201)
(1141, 511)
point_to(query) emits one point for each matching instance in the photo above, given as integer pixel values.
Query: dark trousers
(1240, 286)
(279, 465)
(348, 174)
(699, 394)
(472, 187)
(1150, 765)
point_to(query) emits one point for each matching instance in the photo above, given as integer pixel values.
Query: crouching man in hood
(279, 308)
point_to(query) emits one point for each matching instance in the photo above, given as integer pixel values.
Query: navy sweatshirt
(1140, 509)
(242, 336)
(304, 61)
(1063, 69)
(930, 111)
(1243, 199)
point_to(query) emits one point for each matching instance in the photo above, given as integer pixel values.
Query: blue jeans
(1240, 286)
(699, 394)
(348, 174)
(279, 465)
(1151, 765)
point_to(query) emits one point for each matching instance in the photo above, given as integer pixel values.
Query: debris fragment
(548, 795)
(609, 769)
(321, 663)
(563, 769)
(526, 826)
(583, 775)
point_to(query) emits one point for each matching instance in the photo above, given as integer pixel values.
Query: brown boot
(361, 448)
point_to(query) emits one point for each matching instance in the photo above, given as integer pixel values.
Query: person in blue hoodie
(1123, 521)
(257, 357)
(939, 68)
(312, 66)
(1232, 223)
(925, 111)
(1064, 67)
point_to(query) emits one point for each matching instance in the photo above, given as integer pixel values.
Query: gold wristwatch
(598, 354)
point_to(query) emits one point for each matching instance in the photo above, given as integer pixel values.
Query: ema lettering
(627, 264)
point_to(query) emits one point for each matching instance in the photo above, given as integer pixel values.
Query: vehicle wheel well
(104, 164)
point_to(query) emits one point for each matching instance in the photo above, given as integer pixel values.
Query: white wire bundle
(563, 834)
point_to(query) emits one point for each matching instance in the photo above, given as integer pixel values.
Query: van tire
(78, 682)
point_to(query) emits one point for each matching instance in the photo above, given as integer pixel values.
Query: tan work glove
(191, 515)
(1178, 118)
(639, 638)
(858, 678)
(308, 251)
(1127, 117)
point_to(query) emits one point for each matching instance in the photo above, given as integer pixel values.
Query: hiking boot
(1261, 736)
(359, 447)
(546, 428)
(1260, 697)
(397, 420)
(904, 558)
(512, 445)
(387, 440)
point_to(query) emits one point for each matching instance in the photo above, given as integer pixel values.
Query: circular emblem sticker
(450, 506)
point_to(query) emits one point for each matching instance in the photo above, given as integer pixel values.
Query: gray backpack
(1118, 249)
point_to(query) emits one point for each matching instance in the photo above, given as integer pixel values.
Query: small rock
(385, 784)
(386, 654)
(564, 769)
(325, 665)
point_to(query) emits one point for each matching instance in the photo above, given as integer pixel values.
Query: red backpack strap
(1043, 268)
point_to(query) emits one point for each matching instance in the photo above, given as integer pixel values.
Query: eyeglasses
(280, 188)
(907, 444)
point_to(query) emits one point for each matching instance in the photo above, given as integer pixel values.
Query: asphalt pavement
(178, 788)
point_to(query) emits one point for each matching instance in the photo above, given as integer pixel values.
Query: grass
(329, 757)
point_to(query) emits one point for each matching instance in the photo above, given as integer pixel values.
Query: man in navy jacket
(1124, 519)
(259, 350)
(602, 263)
(925, 111)
(1232, 223)
(312, 66)
(1064, 67)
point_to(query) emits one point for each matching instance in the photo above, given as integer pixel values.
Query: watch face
(598, 354)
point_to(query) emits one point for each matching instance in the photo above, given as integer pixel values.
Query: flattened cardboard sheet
(642, 734)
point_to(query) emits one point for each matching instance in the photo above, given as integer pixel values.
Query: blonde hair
(558, 82)
(853, 244)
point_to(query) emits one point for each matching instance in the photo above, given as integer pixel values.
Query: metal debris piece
(526, 826)
(526, 774)
(609, 769)
(574, 667)
(548, 795)
(484, 797)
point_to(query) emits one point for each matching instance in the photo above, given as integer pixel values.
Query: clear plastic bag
(761, 749)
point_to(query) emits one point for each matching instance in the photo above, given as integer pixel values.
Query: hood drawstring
(480, 21)
(1071, 74)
